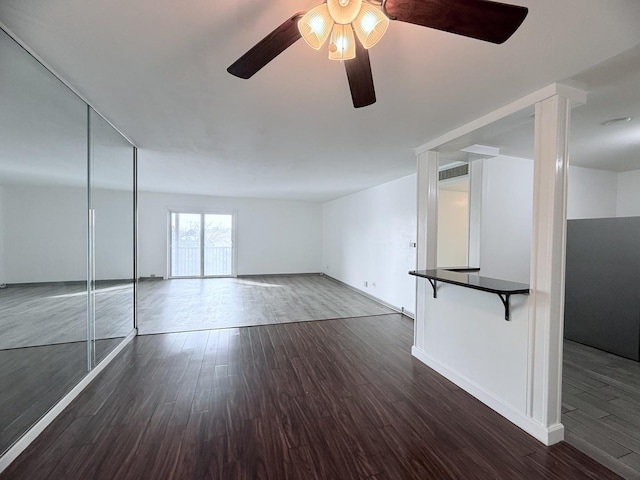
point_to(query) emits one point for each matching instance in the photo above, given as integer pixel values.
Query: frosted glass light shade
(344, 11)
(370, 25)
(315, 26)
(343, 44)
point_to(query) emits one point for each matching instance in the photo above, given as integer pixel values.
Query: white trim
(547, 435)
(31, 434)
(577, 96)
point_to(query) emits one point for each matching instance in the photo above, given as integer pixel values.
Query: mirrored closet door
(66, 284)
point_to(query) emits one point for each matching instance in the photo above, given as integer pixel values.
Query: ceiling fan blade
(267, 49)
(360, 77)
(482, 19)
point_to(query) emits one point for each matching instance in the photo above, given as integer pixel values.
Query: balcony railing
(185, 261)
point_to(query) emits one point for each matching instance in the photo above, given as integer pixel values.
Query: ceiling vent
(482, 151)
(459, 171)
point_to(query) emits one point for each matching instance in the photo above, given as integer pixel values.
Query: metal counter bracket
(505, 302)
(433, 283)
(504, 289)
(504, 298)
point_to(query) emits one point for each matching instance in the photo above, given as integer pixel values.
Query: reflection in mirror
(43, 240)
(111, 200)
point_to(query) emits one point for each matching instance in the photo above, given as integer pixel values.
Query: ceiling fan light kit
(354, 26)
(370, 25)
(315, 26)
(342, 45)
(340, 19)
(344, 11)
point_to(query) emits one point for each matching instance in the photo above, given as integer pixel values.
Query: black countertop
(473, 280)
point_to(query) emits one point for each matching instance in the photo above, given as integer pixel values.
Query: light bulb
(370, 25)
(315, 26)
(343, 44)
(344, 11)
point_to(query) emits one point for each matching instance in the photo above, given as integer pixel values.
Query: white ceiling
(157, 70)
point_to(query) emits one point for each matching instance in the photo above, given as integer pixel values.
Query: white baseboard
(31, 434)
(547, 435)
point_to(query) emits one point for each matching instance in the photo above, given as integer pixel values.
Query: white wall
(505, 239)
(464, 331)
(628, 200)
(591, 193)
(273, 236)
(602, 194)
(113, 233)
(506, 221)
(45, 234)
(45, 230)
(453, 228)
(366, 238)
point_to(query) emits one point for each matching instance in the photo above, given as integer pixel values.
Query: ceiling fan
(339, 19)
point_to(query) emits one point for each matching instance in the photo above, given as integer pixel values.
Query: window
(202, 245)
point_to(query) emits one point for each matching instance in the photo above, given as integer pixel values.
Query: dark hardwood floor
(33, 379)
(335, 399)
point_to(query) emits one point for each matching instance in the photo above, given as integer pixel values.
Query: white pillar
(546, 305)
(475, 211)
(427, 240)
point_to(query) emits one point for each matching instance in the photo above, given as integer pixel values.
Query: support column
(427, 253)
(546, 306)
(475, 212)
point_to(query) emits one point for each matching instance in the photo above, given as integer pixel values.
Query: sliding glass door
(202, 245)
(185, 244)
(218, 245)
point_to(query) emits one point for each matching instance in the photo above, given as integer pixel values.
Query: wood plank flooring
(601, 407)
(200, 304)
(34, 379)
(46, 314)
(32, 315)
(336, 399)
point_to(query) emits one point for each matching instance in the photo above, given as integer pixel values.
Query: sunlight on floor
(256, 284)
(122, 288)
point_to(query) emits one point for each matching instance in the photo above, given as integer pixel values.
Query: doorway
(201, 245)
(453, 222)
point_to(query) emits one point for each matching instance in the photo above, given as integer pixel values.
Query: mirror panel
(43, 246)
(66, 283)
(111, 201)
